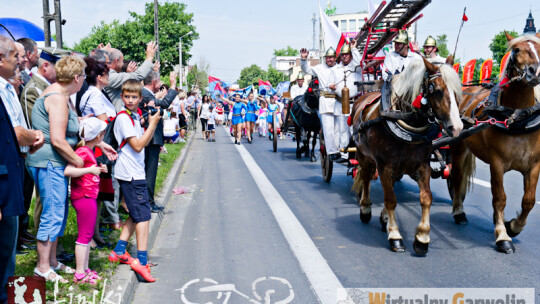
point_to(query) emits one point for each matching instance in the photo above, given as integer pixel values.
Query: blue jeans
(53, 189)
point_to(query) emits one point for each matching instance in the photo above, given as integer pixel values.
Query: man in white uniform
(350, 59)
(400, 58)
(327, 100)
(431, 49)
(299, 88)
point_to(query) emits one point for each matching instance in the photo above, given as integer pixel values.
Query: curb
(125, 280)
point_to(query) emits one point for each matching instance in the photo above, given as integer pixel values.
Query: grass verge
(98, 257)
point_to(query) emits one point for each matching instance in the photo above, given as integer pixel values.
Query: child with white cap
(84, 192)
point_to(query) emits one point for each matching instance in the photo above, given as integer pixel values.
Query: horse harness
(424, 115)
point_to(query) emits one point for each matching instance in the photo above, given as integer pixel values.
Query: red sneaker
(142, 271)
(124, 258)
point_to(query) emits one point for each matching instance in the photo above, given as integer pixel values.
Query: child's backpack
(110, 139)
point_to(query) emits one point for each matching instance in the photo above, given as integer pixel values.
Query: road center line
(321, 277)
(482, 183)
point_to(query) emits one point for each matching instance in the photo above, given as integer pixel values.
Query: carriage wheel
(274, 131)
(326, 164)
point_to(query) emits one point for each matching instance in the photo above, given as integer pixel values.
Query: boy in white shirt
(212, 116)
(129, 170)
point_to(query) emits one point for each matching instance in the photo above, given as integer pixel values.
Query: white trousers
(336, 132)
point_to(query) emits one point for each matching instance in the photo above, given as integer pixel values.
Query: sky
(235, 34)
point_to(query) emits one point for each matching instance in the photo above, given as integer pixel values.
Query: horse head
(442, 89)
(311, 96)
(524, 60)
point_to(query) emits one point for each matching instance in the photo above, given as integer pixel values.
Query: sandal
(94, 274)
(47, 274)
(63, 268)
(84, 278)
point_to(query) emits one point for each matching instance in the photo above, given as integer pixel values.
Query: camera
(152, 110)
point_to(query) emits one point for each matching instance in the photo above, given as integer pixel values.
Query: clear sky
(237, 33)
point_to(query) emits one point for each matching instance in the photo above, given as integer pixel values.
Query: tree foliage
(288, 51)
(499, 45)
(250, 75)
(132, 36)
(198, 76)
(275, 76)
(442, 45)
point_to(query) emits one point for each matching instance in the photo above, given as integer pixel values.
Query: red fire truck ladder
(384, 25)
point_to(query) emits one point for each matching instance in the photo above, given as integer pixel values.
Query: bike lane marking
(321, 277)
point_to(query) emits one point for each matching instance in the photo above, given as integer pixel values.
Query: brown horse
(379, 149)
(503, 147)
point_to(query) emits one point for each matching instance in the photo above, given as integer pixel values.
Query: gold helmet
(345, 49)
(402, 37)
(330, 52)
(300, 76)
(430, 41)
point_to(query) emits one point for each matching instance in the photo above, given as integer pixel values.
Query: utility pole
(58, 21)
(314, 20)
(156, 27)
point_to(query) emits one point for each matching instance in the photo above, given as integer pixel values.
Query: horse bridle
(512, 65)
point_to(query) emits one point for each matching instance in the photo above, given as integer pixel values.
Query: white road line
(321, 277)
(482, 183)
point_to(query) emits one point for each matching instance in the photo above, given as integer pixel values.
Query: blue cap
(52, 54)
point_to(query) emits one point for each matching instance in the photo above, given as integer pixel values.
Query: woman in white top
(203, 115)
(93, 100)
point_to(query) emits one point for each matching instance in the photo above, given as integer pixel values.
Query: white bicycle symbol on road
(223, 292)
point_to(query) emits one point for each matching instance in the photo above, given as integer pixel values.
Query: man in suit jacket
(32, 54)
(152, 85)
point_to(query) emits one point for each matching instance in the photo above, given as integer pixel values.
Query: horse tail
(357, 182)
(468, 169)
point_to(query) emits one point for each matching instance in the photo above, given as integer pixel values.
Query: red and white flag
(331, 33)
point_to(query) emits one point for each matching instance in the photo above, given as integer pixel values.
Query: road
(244, 231)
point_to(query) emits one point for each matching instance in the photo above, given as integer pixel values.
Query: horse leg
(502, 240)
(530, 180)
(462, 168)
(298, 138)
(390, 202)
(313, 144)
(308, 137)
(361, 186)
(422, 239)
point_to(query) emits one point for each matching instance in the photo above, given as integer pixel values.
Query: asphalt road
(225, 233)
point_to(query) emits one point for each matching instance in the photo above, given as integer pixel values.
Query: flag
(332, 35)
(246, 91)
(220, 89)
(468, 71)
(464, 18)
(504, 60)
(485, 70)
(456, 67)
(267, 86)
(370, 8)
(212, 81)
(283, 87)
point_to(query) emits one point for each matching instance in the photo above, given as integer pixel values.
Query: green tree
(499, 45)
(442, 45)
(198, 76)
(131, 37)
(329, 10)
(478, 68)
(288, 51)
(250, 75)
(275, 76)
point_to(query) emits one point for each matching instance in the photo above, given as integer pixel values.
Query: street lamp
(180, 56)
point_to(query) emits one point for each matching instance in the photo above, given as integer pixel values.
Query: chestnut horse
(503, 148)
(379, 149)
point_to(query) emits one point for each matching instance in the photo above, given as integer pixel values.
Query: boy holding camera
(129, 170)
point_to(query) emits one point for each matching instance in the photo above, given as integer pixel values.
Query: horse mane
(407, 84)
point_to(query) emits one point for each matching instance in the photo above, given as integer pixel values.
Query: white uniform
(342, 130)
(326, 76)
(296, 90)
(394, 63)
(437, 59)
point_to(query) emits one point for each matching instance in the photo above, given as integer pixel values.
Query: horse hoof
(420, 248)
(298, 155)
(397, 245)
(383, 223)
(461, 219)
(509, 230)
(365, 218)
(313, 159)
(505, 247)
